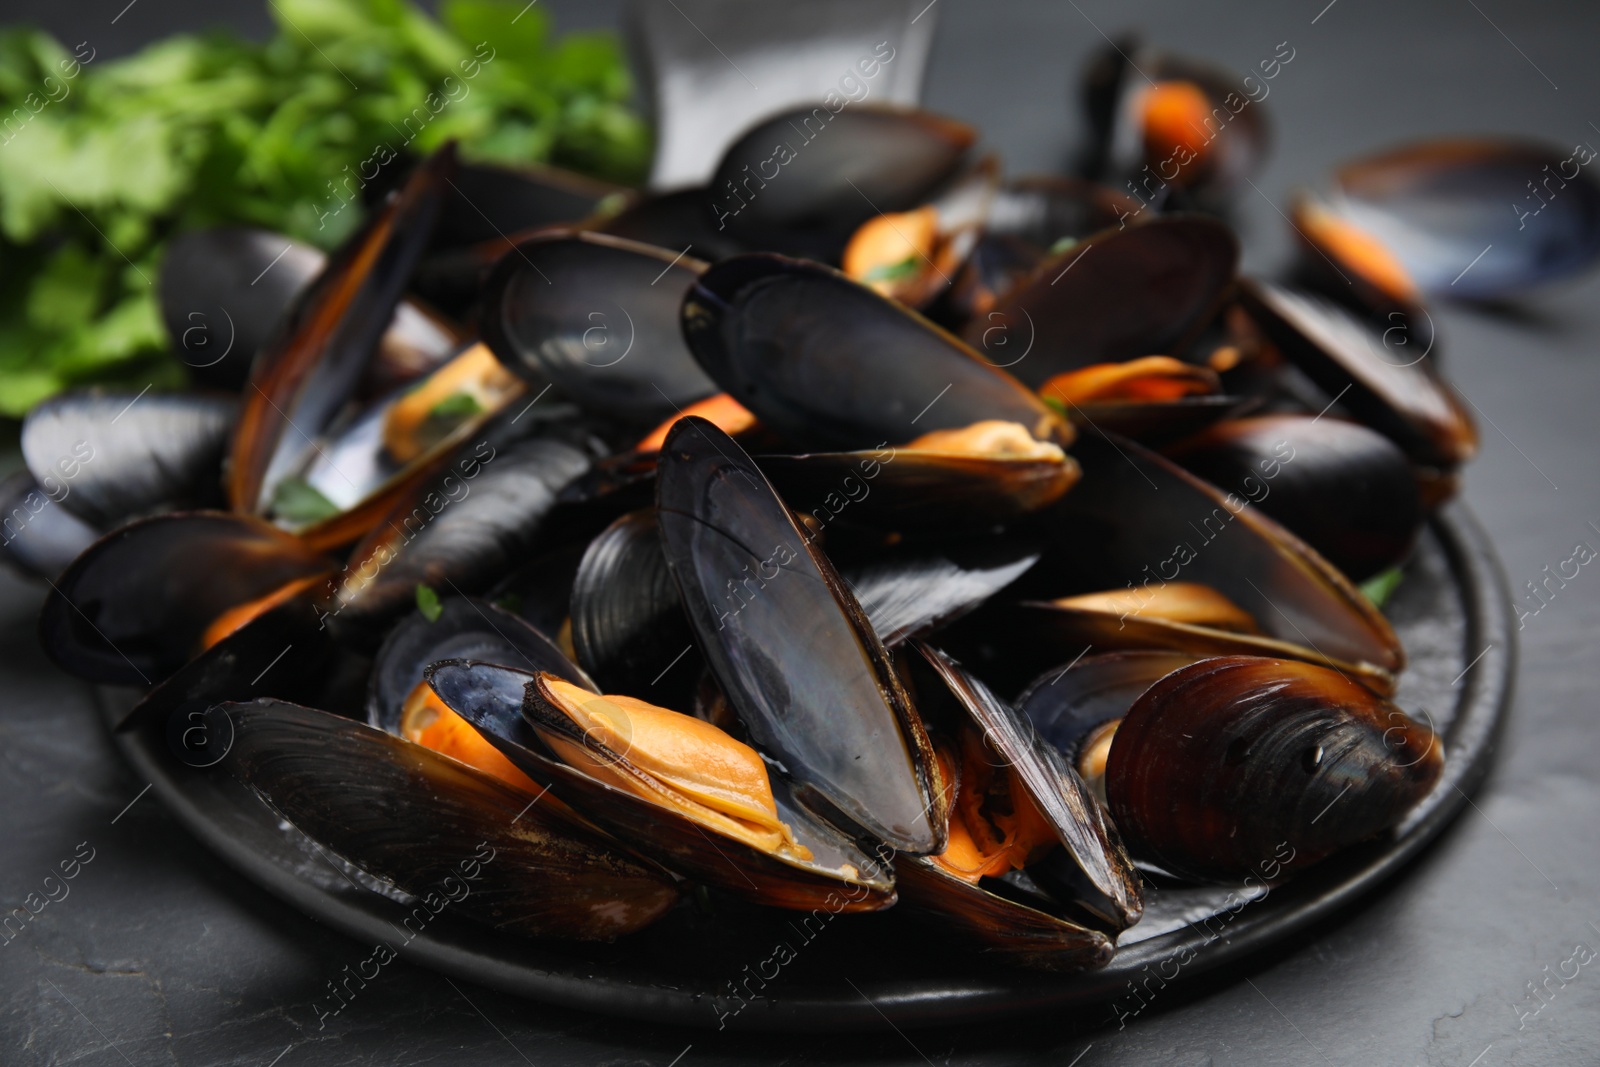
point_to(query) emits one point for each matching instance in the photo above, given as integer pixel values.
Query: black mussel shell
(1120, 294)
(1068, 702)
(309, 371)
(457, 530)
(223, 293)
(1376, 373)
(1246, 767)
(135, 606)
(1091, 872)
(628, 626)
(833, 366)
(791, 647)
(803, 180)
(434, 827)
(1347, 491)
(911, 592)
(683, 221)
(1475, 218)
(118, 455)
(38, 537)
(502, 704)
(465, 628)
(488, 200)
(597, 316)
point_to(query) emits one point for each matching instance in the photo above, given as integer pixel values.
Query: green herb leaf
(1063, 244)
(298, 501)
(1055, 405)
(456, 406)
(893, 272)
(428, 603)
(1380, 587)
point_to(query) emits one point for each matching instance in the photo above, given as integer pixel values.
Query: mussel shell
(839, 168)
(597, 316)
(422, 822)
(919, 494)
(458, 530)
(1157, 523)
(833, 366)
(466, 628)
(116, 455)
(38, 537)
(1091, 872)
(307, 373)
(133, 607)
(791, 647)
(628, 626)
(1066, 703)
(1443, 206)
(1347, 491)
(492, 200)
(223, 292)
(492, 699)
(1120, 294)
(1155, 422)
(1222, 764)
(1380, 378)
(682, 220)
(911, 592)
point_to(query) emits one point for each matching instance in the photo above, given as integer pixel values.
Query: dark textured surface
(159, 955)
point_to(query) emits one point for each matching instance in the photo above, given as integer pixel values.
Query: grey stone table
(158, 955)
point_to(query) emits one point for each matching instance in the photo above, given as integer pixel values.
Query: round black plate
(723, 965)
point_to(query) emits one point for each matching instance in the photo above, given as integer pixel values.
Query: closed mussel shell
(1243, 766)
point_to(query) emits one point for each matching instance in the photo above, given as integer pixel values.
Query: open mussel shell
(307, 374)
(1347, 491)
(465, 628)
(137, 604)
(1067, 703)
(1091, 872)
(797, 658)
(457, 530)
(833, 366)
(1209, 134)
(1473, 218)
(1378, 375)
(1155, 422)
(909, 592)
(803, 180)
(493, 699)
(1120, 294)
(223, 292)
(597, 316)
(493, 200)
(1157, 523)
(38, 537)
(434, 827)
(628, 626)
(1240, 766)
(116, 455)
(919, 493)
(682, 220)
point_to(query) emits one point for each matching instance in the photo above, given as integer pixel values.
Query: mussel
(1222, 765)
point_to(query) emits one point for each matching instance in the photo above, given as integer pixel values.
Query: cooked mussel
(1380, 375)
(307, 374)
(1117, 295)
(1152, 399)
(831, 365)
(805, 179)
(428, 824)
(1222, 765)
(1347, 491)
(791, 647)
(118, 455)
(913, 256)
(683, 790)
(597, 316)
(146, 598)
(38, 537)
(1469, 218)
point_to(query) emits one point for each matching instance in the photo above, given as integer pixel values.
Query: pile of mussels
(876, 532)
